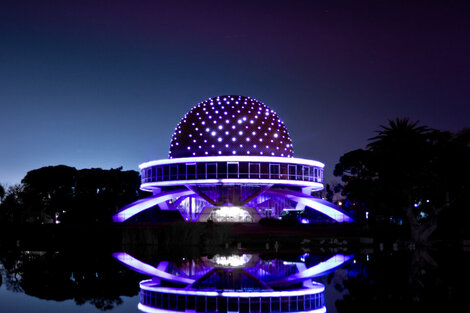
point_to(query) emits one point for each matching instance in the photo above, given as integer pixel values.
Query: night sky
(104, 83)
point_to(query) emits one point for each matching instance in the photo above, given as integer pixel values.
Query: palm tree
(398, 131)
(406, 155)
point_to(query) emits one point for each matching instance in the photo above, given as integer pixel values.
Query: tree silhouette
(408, 173)
(63, 194)
(2, 193)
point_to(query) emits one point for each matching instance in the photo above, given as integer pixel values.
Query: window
(254, 305)
(305, 172)
(200, 304)
(221, 170)
(243, 170)
(191, 170)
(222, 304)
(300, 303)
(165, 301)
(190, 302)
(284, 171)
(292, 172)
(211, 304)
(264, 170)
(254, 170)
(159, 173)
(201, 170)
(233, 304)
(265, 303)
(274, 171)
(293, 304)
(244, 305)
(211, 170)
(232, 170)
(166, 172)
(173, 172)
(275, 305)
(181, 303)
(153, 174)
(172, 302)
(299, 172)
(181, 171)
(284, 304)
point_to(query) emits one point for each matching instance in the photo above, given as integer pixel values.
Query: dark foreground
(212, 236)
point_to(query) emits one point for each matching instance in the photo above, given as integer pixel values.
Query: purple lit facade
(231, 159)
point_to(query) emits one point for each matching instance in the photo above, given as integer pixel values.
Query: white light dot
(213, 133)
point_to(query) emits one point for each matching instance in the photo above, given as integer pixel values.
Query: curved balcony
(232, 170)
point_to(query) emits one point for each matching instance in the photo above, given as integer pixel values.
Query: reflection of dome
(231, 125)
(235, 283)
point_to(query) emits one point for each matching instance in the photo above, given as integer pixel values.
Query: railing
(230, 170)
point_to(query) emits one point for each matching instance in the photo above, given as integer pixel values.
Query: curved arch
(319, 269)
(320, 205)
(143, 204)
(147, 269)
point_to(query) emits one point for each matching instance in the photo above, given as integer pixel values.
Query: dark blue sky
(104, 83)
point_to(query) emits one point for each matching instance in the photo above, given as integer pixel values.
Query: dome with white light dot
(231, 125)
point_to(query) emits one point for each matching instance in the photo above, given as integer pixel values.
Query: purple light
(320, 205)
(316, 288)
(320, 269)
(147, 269)
(298, 161)
(314, 185)
(143, 204)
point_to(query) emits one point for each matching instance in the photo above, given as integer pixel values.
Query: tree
(63, 194)
(408, 172)
(2, 193)
(10, 207)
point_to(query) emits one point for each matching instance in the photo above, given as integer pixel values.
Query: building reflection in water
(233, 283)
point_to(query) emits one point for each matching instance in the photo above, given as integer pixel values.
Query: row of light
(283, 147)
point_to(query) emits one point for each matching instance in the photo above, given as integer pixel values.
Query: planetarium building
(231, 159)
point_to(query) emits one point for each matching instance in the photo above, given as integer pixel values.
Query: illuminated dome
(231, 160)
(231, 125)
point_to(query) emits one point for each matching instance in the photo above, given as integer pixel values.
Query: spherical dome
(231, 125)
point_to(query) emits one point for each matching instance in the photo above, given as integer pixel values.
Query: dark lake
(273, 279)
